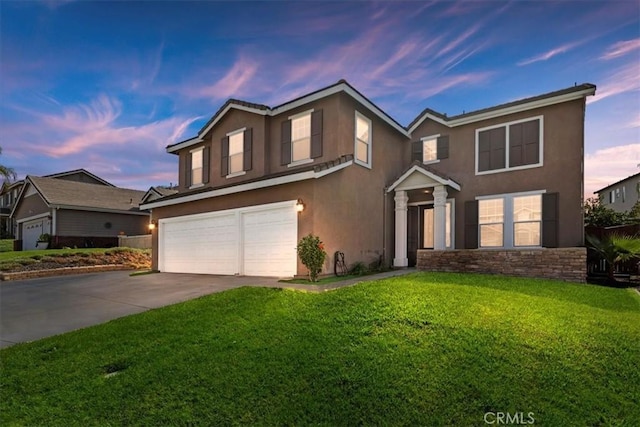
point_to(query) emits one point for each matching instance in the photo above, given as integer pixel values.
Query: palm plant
(7, 173)
(615, 249)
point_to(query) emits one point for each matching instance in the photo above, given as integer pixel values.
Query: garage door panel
(269, 242)
(201, 245)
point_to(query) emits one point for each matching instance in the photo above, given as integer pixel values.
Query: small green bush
(25, 261)
(311, 252)
(358, 268)
(118, 250)
(37, 257)
(8, 266)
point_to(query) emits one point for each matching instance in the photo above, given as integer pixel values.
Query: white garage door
(31, 230)
(254, 241)
(270, 239)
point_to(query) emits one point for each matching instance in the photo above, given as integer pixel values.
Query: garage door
(31, 230)
(270, 239)
(253, 241)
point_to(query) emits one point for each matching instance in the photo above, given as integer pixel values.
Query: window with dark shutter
(524, 143)
(285, 142)
(491, 149)
(224, 158)
(206, 154)
(443, 147)
(248, 149)
(471, 224)
(550, 217)
(187, 170)
(416, 151)
(316, 134)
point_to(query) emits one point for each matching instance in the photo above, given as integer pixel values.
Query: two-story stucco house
(255, 179)
(622, 195)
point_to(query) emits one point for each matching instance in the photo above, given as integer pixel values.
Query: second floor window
(301, 138)
(430, 149)
(363, 140)
(237, 149)
(196, 166)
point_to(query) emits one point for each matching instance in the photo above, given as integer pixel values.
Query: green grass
(39, 254)
(424, 349)
(6, 245)
(323, 280)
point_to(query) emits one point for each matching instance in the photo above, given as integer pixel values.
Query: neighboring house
(621, 196)
(8, 196)
(155, 193)
(255, 179)
(77, 209)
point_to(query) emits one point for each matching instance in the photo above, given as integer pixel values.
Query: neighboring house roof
(295, 175)
(340, 86)
(154, 193)
(79, 171)
(563, 95)
(6, 186)
(58, 193)
(617, 182)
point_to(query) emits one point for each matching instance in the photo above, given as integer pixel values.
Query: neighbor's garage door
(254, 241)
(31, 231)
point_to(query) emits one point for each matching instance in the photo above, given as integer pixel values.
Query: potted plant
(43, 241)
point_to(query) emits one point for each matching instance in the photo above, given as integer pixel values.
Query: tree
(7, 173)
(598, 215)
(311, 252)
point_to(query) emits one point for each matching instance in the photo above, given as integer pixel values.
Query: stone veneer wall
(569, 264)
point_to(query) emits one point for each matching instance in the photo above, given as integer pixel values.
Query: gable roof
(264, 110)
(563, 95)
(417, 167)
(154, 193)
(59, 193)
(617, 182)
(79, 171)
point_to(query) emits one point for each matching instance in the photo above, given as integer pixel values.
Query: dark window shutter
(285, 143)
(531, 142)
(443, 147)
(498, 148)
(516, 145)
(206, 154)
(550, 214)
(484, 151)
(416, 151)
(247, 149)
(471, 224)
(224, 158)
(187, 170)
(316, 134)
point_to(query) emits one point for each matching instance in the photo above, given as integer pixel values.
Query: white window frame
(508, 232)
(309, 159)
(426, 139)
(612, 197)
(368, 163)
(191, 153)
(229, 135)
(506, 125)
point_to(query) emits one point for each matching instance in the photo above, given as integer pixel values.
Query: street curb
(65, 271)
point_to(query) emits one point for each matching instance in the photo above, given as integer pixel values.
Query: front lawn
(423, 349)
(58, 258)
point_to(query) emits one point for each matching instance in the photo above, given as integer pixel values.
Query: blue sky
(106, 86)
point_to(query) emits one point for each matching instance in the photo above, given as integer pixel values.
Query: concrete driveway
(39, 308)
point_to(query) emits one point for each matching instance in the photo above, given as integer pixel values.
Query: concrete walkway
(39, 308)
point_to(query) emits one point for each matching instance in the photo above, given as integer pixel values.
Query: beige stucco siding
(561, 171)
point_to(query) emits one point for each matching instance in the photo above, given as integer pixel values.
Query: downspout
(384, 224)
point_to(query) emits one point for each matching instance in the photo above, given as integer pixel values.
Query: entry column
(440, 217)
(401, 200)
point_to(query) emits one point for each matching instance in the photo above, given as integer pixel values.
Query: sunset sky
(106, 86)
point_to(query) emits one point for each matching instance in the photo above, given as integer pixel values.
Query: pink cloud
(624, 79)
(606, 166)
(621, 48)
(235, 82)
(551, 53)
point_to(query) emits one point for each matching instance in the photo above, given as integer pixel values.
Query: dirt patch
(129, 259)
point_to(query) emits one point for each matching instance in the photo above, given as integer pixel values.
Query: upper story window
(430, 149)
(612, 196)
(301, 138)
(363, 140)
(236, 156)
(196, 166)
(509, 146)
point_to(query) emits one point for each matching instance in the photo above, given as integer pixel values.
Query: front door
(419, 231)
